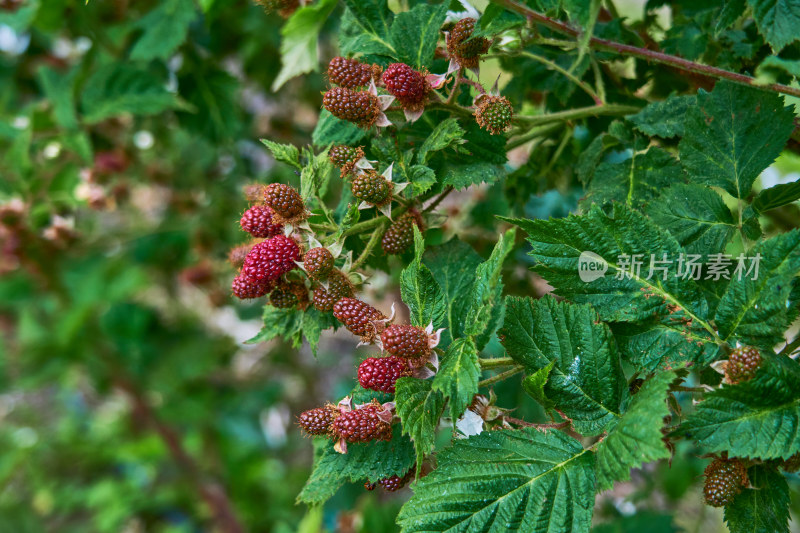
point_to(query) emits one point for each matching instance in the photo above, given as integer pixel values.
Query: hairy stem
(501, 376)
(373, 242)
(574, 79)
(578, 113)
(495, 362)
(644, 53)
(371, 224)
(447, 190)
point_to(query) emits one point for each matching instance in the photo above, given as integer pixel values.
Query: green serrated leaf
(587, 383)
(635, 438)
(664, 119)
(499, 481)
(165, 28)
(453, 266)
(459, 374)
(59, 89)
(484, 314)
(292, 325)
(331, 130)
(414, 34)
(421, 178)
(299, 41)
(763, 507)
(462, 176)
(534, 384)
(122, 88)
(664, 344)
(445, 134)
(419, 408)
(634, 181)
(731, 11)
(696, 216)
(363, 461)
(315, 175)
(777, 20)
(754, 310)
(420, 291)
(557, 245)
(777, 196)
(286, 153)
(732, 134)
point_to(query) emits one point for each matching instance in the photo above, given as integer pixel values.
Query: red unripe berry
(400, 235)
(358, 317)
(284, 200)
(395, 483)
(405, 341)
(724, 480)
(270, 259)
(362, 425)
(742, 364)
(338, 287)
(318, 421)
(359, 107)
(318, 263)
(351, 73)
(289, 294)
(407, 85)
(246, 289)
(381, 373)
(257, 221)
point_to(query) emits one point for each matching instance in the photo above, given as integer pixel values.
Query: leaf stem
(580, 112)
(495, 362)
(532, 134)
(372, 223)
(501, 376)
(644, 53)
(558, 68)
(552, 425)
(439, 199)
(373, 241)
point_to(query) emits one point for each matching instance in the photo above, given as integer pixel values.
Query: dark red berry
(362, 425)
(358, 317)
(236, 255)
(338, 287)
(394, 483)
(369, 486)
(372, 188)
(345, 157)
(318, 421)
(494, 114)
(270, 259)
(380, 373)
(400, 235)
(289, 294)
(352, 73)
(257, 221)
(742, 365)
(724, 480)
(285, 201)
(466, 52)
(405, 341)
(358, 107)
(318, 263)
(407, 85)
(245, 289)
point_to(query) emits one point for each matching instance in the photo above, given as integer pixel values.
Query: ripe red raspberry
(345, 157)
(318, 263)
(372, 188)
(362, 425)
(742, 365)
(318, 421)
(289, 294)
(245, 289)
(270, 259)
(395, 483)
(359, 107)
(285, 201)
(237, 254)
(338, 287)
(724, 480)
(407, 85)
(380, 373)
(466, 52)
(400, 235)
(405, 341)
(257, 221)
(351, 73)
(494, 114)
(358, 317)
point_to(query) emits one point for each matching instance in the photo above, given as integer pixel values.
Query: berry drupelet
(742, 365)
(406, 341)
(362, 425)
(270, 259)
(351, 73)
(407, 85)
(345, 157)
(318, 263)
(494, 114)
(246, 289)
(359, 107)
(318, 421)
(289, 294)
(285, 201)
(372, 188)
(724, 480)
(381, 373)
(257, 221)
(338, 287)
(359, 318)
(400, 235)
(466, 52)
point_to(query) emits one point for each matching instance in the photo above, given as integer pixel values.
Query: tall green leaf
(420, 291)
(419, 408)
(763, 507)
(165, 28)
(458, 376)
(499, 481)
(414, 34)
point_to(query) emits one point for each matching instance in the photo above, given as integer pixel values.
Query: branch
(439, 199)
(500, 377)
(644, 53)
(495, 362)
(570, 76)
(575, 114)
(373, 241)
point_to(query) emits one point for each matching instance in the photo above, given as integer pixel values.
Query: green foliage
(458, 376)
(764, 506)
(420, 290)
(419, 407)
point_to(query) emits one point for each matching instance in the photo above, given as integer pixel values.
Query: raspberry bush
(517, 265)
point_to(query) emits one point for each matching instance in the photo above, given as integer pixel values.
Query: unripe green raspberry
(494, 114)
(372, 188)
(345, 157)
